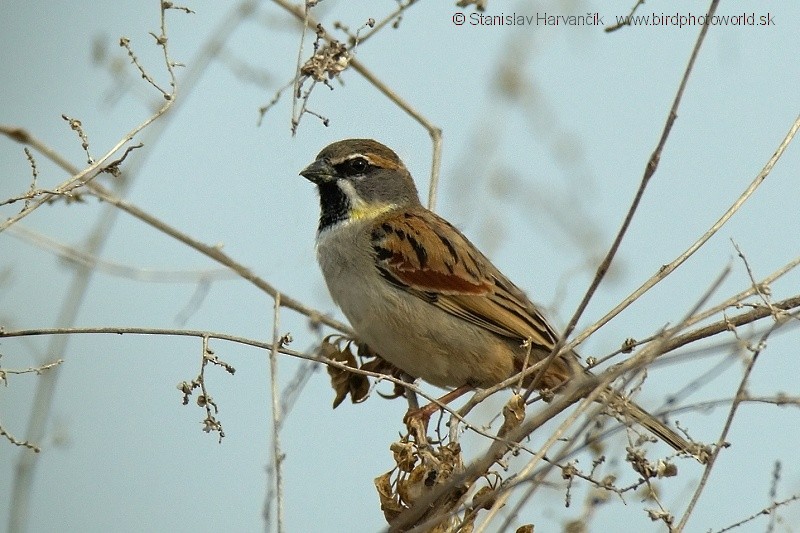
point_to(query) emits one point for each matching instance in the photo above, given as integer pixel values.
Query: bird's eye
(357, 165)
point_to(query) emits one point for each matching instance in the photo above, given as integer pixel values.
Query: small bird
(419, 293)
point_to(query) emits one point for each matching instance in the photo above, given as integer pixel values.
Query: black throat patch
(334, 205)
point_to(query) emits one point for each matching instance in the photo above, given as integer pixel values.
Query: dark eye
(357, 165)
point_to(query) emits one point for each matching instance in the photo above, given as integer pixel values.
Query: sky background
(546, 133)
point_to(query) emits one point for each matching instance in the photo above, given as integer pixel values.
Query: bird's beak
(319, 172)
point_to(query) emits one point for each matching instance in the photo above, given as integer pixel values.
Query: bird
(416, 291)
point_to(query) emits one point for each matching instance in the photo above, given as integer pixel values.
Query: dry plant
(436, 483)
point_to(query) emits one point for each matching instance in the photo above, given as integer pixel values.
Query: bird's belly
(413, 335)
(438, 349)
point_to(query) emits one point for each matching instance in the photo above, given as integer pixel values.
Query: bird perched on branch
(420, 294)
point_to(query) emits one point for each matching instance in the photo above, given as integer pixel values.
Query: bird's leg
(411, 396)
(424, 414)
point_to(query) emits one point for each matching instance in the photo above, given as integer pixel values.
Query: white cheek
(347, 188)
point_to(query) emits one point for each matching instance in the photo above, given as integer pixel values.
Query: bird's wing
(421, 253)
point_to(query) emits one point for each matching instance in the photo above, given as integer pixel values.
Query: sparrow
(419, 293)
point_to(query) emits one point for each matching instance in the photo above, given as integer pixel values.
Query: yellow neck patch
(361, 210)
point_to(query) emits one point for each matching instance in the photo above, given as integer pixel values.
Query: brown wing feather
(423, 254)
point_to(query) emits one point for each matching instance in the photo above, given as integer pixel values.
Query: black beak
(320, 171)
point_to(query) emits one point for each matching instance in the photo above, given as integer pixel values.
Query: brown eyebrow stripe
(379, 161)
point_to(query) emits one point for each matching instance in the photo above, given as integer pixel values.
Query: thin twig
(296, 79)
(733, 301)
(211, 423)
(773, 494)
(277, 454)
(734, 321)
(761, 290)
(34, 173)
(16, 442)
(65, 332)
(394, 16)
(626, 20)
(4, 372)
(113, 268)
(86, 175)
(769, 510)
(434, 131)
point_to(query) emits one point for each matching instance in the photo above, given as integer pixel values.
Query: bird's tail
(630, 409)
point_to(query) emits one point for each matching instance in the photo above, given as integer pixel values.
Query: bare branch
(113, 268)
(16, 442)
(769, 510)
(277, 453)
